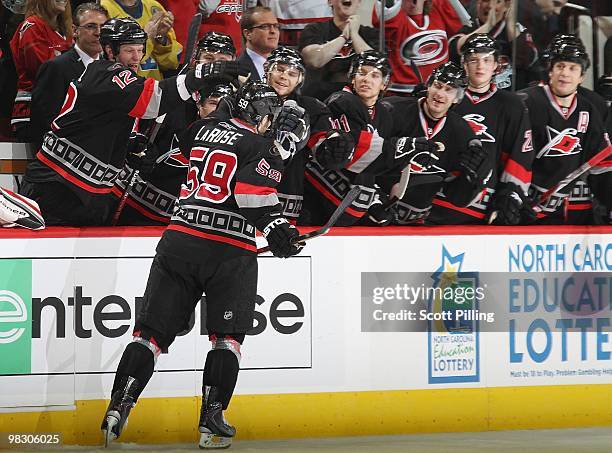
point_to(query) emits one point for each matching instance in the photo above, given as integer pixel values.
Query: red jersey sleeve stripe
(314, 139)
(250, 189)
(143, 100)
(518, 171)
(363, 145)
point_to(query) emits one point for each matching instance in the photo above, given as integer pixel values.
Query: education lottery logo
(453, 335)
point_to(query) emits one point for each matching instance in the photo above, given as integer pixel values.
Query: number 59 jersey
(230, 188)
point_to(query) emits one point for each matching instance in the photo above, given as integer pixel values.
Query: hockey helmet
(448, 73)
(215, 42)
(255, 101)
(567, 48)
(15, 6)
(123, 30)
(480, 43)
(370, 58)
(218, 90)
(289, 57)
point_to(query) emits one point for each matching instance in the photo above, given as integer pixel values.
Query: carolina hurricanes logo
(176, 158)
(425, 47)
(475, 122)
(564, 143)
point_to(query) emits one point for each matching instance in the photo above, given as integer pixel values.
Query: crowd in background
(46, 43)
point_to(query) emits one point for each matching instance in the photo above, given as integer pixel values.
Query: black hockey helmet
(370, 58)
(122, 30)
(218, 90)
(289, 57)
(480, 43)
(448, 73)
(255, 101)
(215, 42)
(567, 48)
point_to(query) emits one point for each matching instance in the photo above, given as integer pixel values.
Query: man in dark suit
(55, 75)
(260, 29)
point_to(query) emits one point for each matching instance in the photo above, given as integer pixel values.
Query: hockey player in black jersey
(461, 169)
(567, 131)
(360, 111)
(332, 148)
(501, 122)
(81, 156)
(151, 199)
(209, 247)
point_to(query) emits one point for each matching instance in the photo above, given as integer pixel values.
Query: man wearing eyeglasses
(260, 30)
(55, 75)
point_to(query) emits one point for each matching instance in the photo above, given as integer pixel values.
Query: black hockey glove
(202, 74)
(509, 203)
(420, 153)
(141, 155)
(336, 150)
(381, 216)
(472, 160)
(291, 129)
(279, 233)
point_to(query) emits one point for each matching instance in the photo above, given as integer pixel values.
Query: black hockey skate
(215, 432)
(122, 402)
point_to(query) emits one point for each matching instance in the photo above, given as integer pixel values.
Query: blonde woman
(45, 33)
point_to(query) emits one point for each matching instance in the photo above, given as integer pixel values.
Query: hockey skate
(122, 402)
(215, 432)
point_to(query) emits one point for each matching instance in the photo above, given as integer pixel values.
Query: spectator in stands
(295, 15)
(11, 15)
(260, 30)
(55, 75)
(224, 16)
(497, 19)
(183, 11)
(328, 47)
(44, 34)
(416, 33)
(162, 49)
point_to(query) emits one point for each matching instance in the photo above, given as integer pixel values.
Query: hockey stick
(346, 202)
(189, 48)
(577, 173)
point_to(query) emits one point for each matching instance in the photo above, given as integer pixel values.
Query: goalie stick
(346, 202)
(189, 48)
(577, 173)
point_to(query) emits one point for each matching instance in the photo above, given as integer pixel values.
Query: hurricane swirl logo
(424, 48)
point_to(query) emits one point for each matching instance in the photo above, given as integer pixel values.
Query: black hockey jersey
(291, 187)
(501, 122)
(152, 199)
(324, 189)
(565, 138)
(86, 147)
(452, 131)
(230, 186)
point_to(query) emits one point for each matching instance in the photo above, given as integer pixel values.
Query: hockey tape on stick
(192, 36)
(346, 202)
(577, 173)
(124, 196)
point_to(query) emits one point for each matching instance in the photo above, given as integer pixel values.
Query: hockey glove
(509, 202)
(418, 153)
(141, 155)
(280, 233)
(381, 216)
(473, 159)
(291, 128)
(336, 150)
(202, 74)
